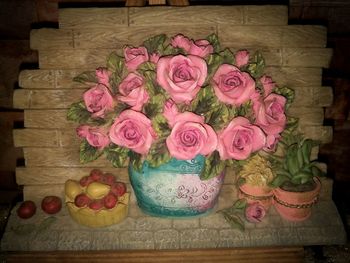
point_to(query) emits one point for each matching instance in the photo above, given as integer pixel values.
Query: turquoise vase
(175, 189)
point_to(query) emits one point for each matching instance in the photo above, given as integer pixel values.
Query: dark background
(17, 17)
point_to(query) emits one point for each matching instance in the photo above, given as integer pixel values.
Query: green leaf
(234, 220)
(213, 39)
(241, 181)
(218, 117)
(119, 108)
(257, 65)
(154, 106)
(117, 155)
(147, 66)
(155, 44)
(136, 161)
(86, 77)
(286, 92)
(317, 171)
(213, 166)
(227, 56)
(170, 50)
(160, 125)
(115, 63)
(78, 113)
(88, 153)
(279, 180)
(158, 153)
(205, 101)
(240, 204)
(213, 62)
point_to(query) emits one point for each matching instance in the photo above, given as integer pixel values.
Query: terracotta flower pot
(296, 206)
(253, 194)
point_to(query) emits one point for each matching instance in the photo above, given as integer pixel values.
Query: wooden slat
(37, 192)
(47, 119)
(156, 2)
(273, 36)
(22, 98)
(37, 79)
(307, 57)
(92, 17)
(324, 134)
(59, 157)
(272, 56)
(35, 138)
(294, 77)
(58, 175)
(304, 36)
(117, 38)
(48, 38)
(313, 96)
(265, 15)
(205, 15)
(307, 115)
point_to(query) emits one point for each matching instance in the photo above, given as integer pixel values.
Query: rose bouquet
(179, 98)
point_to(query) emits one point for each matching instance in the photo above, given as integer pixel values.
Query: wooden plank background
(295, 56)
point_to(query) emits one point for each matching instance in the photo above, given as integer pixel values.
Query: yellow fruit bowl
(90, 217)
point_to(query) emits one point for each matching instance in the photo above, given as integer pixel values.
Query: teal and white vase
(175, 189)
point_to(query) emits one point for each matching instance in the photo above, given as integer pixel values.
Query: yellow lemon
(97, 190)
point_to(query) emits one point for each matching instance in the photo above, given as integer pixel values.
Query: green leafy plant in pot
(297, 183)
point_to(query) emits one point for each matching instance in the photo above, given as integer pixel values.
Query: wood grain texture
(35, 138)
(307, 57)
(201, 15)
(58, 157)
(92, 17)
(307, 115)
(48, 38)
(58, 175)
(35, 79)
(47, 119)
(22, 98)
(265, 15)
(304, 36)
(324, 134)
(121, 36)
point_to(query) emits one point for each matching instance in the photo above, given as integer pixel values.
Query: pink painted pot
(296, 206)
(253, 194)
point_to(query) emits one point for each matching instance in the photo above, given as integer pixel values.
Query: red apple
(118, 188)
(82, 200)
(110, 200)
(109, 178)
(27, 209)
(96, 204)
(85, 181)
(51, 204)
(96, 175)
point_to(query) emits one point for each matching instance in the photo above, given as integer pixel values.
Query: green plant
(295, 170)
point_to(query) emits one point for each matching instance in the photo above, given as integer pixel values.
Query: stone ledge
(140, 231)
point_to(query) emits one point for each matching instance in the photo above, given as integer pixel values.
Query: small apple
(110, 200)
(109, 178)
(96, 204)
(82, 200)
(51, 204)
(26, 210)
(85, 181)
(96, 175)
(118, 188)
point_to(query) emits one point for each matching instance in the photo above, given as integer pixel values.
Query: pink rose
(154, 57)
(232, 86)
(102, 75)
(180, 41)
(133, 91)
(201, 48)
(190, 136)
(239, 139)
(170, 111)
(98, 100)
(271, 142)
(241, 58)
(134, 57)
(96, 136)
(181, 76)
(133, 130)
(269, 113)
(255, 212)
(268, 84)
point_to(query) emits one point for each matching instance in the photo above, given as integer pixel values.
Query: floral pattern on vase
(175, 189)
